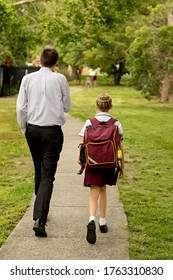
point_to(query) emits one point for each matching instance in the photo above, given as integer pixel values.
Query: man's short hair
(49, 57)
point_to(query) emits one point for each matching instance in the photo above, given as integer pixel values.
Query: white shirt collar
(106, 114)
(45, 69)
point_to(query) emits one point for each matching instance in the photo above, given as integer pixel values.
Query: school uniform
(100, 177)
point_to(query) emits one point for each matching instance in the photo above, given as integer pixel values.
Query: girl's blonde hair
(104, 102)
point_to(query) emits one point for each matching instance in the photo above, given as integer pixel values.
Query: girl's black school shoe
(91, 232)
(103, 229)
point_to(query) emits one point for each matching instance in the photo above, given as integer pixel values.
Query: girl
(97, 179)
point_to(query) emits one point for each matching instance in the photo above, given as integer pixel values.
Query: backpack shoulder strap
(111, 121)
(94, 121)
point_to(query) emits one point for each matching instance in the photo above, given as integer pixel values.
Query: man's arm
(21, 106)
(66, 95)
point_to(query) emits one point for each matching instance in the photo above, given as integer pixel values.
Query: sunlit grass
(15, 170)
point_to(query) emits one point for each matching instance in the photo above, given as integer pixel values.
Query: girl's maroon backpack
(101, 144)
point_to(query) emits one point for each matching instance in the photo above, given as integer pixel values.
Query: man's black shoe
(91, 232)
(39, 228)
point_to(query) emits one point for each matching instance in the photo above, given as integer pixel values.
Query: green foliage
(92, 32)
(20, 28)
(97, 33)
(151, 52)
(142, 64)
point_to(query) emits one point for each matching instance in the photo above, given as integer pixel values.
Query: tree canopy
(109, 34)
(151, 53)
(20, 30)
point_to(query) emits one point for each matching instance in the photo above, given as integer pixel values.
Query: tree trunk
(165, 90)
(170, 19)
(77, 73)
(119, 72)
(167, 80)
(117, 78)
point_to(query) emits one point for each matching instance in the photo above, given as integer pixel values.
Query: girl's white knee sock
(92, 218)
(102, 221)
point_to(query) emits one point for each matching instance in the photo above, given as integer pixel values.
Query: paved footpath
(68, 217)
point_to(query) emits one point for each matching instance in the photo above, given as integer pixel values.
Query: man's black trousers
(45, 144)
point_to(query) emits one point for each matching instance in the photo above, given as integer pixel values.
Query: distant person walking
(88, 82)
(43, 98)
(97, 179)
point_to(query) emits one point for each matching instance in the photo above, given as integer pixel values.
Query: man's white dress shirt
(43, 98)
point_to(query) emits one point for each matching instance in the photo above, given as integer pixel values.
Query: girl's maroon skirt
(99, 177)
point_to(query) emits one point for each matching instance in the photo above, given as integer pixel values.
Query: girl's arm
(121, 161)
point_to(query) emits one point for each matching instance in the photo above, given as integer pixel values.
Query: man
(43, 98)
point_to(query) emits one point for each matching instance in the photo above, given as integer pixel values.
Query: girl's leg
(103, 202)
(91, 227)
(94, 195)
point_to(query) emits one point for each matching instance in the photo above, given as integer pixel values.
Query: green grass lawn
(147, 188)
(15, 170)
